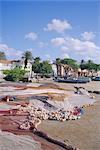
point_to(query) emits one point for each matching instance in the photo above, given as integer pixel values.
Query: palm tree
(2, 56)
(27, 56)
(90, 61)
(82, 61)
(83, 64)
(58, 60)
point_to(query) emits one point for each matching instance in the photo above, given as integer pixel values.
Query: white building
(5, 65)
(54, 68)
(11, 64)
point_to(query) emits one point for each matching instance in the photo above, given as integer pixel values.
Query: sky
(50, 29)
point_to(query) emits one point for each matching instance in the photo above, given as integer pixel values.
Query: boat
(72, 80)
(96, 78)
(88, 79)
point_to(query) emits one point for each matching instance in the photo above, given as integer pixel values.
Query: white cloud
(58, 25)
(64, 48)
(30, 49)
(73, 43)
(78, 47)
(88, 35)
(42, 44)
(11, 52)
(32, 35)
(93, 54)
(15, 54)
(5, 47)
(48, 57)
(58, 41)
(65, 55)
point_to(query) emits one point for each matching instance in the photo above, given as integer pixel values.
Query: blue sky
(50, 29)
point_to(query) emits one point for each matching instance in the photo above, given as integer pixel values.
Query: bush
(15, 74)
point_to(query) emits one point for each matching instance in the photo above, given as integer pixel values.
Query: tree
(37, 59)
(46, 69)
(68, 61)
(37, 65)
(58, 60)
(90, 65)
(2, 56)
(90, 61)
(27, 56)
(83, 64)
(15, 74)
(82, 61)
(71, 62)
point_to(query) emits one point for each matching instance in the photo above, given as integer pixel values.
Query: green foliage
(36, 67)
(6, 72)
(44, 68)
(83, 64)
(90, 65)
(27, 55)
(2, 56)
(37, 59)
(15, 74)
(58, 60)
(71, 62)
(68, 61)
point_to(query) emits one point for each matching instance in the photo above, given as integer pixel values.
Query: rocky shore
(83, 133)
(28, 110)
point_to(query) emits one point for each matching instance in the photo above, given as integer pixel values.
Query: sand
(67, 97)
(9, 141)
(83, 133)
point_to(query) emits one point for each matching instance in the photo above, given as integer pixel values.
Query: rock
(9, 141)
(37, 114)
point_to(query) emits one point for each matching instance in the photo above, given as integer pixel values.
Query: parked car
(96, 78)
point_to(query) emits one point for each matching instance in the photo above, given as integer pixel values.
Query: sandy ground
(83, 133)
(9, 141)
(9, 123)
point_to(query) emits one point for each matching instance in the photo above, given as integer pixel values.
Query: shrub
(15, 74)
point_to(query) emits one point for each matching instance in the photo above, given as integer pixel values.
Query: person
(79, 90)
(37, 79)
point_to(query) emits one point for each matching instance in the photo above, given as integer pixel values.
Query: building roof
(9, 61)
(5, 61)
(16, 61)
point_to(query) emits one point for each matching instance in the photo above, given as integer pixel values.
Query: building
(54, 68)
(5, 65)
(64, 70)
(11, 64)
